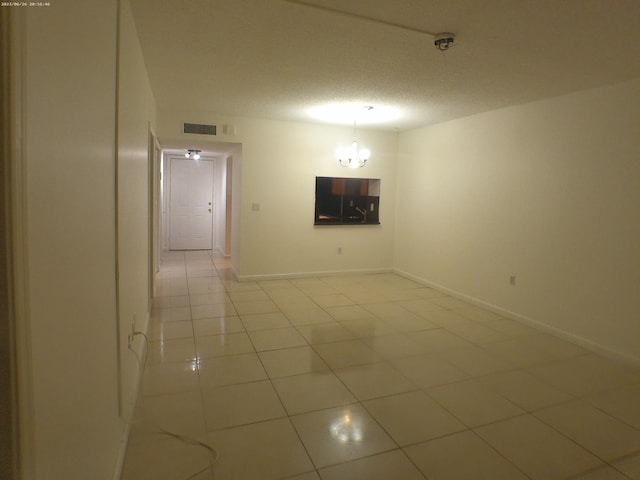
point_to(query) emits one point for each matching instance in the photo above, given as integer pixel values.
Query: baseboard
(293, 275)
(595, 347)
(234, 272)
(124, 442)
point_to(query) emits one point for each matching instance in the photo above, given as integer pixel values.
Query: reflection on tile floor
(366, 377)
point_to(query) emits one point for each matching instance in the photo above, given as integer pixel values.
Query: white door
(190, 210)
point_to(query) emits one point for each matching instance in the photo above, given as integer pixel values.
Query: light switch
(255, 207)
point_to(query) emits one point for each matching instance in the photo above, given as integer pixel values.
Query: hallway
(366, 377)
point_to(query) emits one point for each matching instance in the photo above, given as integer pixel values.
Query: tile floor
(366, 377)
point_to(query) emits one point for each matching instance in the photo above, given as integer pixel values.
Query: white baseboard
(124, 442)
(325, 273)
(531, 322)
(234, 272)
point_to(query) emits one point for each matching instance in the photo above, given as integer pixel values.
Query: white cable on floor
(213, 453)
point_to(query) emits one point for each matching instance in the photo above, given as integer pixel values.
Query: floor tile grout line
(200, 390)
(584, 398)
(288, 416)
(508, 460)
(566, 435)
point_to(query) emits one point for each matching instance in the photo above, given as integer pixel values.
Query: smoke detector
(443, 41)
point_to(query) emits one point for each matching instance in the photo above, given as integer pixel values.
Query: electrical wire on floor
(213, 453)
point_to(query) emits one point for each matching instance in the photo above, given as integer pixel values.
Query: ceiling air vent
(199, 129)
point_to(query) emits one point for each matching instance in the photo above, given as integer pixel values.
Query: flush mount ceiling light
(342, 113)
(191, 153)
(352, 156)
(443, 41)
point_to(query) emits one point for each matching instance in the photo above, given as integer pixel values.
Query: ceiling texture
(291, 59)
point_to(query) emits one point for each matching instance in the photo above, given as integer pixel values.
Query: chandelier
(352, 156)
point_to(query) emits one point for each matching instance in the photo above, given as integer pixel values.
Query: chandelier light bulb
(352, 157)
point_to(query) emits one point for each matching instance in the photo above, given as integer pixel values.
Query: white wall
(136, 114)
(70, 111)
(279, 162)
(547, 191)
(71, 182)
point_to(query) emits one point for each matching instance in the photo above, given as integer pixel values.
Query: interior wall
(70, 176)
(279, 162)
(136, 115)
(547, 192)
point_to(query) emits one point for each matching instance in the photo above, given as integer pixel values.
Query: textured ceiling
(279, 59)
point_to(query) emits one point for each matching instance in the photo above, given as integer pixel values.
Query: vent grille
(199, 129)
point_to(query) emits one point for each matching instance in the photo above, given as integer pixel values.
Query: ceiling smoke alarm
(443, 41)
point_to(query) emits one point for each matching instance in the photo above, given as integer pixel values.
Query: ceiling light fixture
(351, 156)
(443, 41)
(191, 153)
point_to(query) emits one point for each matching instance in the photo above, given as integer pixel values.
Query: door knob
(209, 210)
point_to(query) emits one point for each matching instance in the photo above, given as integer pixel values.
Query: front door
(190, 209)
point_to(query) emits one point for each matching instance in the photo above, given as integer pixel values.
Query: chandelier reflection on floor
(346, 430)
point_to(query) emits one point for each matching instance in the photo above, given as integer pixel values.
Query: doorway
(190, 204)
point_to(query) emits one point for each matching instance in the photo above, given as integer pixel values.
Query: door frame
(13, 247)
(154, 177)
